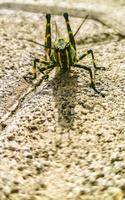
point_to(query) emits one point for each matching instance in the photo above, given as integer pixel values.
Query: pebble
(11, 137)
(13, 146)
(115, 156)
(28, 154)
(116, 193)
(39, 165)
(119, 166)
(7, 190)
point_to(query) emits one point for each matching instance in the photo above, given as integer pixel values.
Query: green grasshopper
(62, 53)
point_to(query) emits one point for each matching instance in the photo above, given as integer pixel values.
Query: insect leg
(48, 37)
(34, 69)
(71, 36)
(50, 66)
(93, 59)
(33, 75)
(92, 76)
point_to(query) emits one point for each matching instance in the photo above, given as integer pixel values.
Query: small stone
(119, 166)
(15, 190)
(3, 125)
(38, 164)
(78, 190)
(122, 184)
(11, 137)
(115, 157)
(84, 111)
(13, 146)
(28, 154)
(116, 193)
(7, 190)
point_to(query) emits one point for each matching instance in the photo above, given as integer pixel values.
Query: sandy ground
(58, 138)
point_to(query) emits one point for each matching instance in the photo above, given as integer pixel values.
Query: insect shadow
(64, 91)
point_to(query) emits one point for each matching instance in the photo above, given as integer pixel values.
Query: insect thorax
(63, 54)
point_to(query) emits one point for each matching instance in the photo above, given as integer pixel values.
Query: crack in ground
(14, 108)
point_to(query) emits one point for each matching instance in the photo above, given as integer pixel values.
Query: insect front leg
(47, 67)
(92, 77)
(33, 74)
(48, 37)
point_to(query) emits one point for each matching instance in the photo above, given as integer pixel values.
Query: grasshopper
(62, 53)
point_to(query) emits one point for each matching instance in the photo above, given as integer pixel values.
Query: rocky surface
(58, 138)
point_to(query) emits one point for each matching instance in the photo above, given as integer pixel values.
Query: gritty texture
(58, 138)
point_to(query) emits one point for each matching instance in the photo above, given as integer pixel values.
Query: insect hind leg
(48, 37)
(71, 36)
(93, 59)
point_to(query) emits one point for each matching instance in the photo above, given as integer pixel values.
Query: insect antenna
(30, 40)
(57, 31)
(80, 25)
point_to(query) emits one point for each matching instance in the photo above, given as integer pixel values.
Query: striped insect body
(62, 53)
